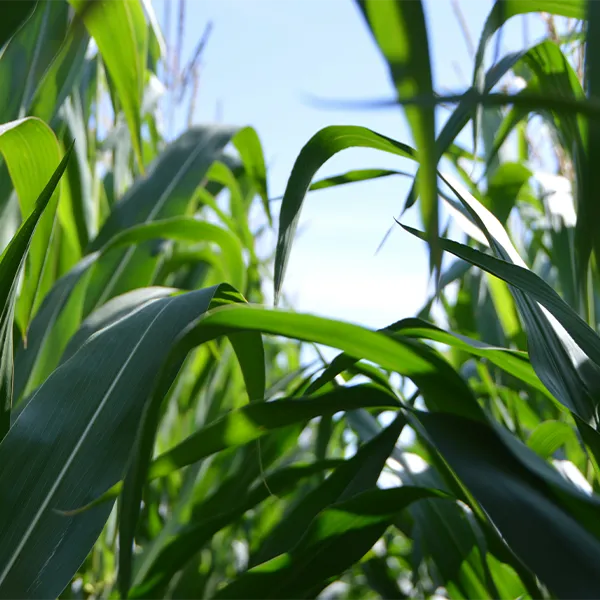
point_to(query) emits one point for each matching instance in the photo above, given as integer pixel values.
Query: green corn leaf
(29, 53)
(156, 43)
(463, 113)
(166, 191)
(47, 346)
(446, 535)
(549, 436)
(113, 373)
(353, 477)
(61, 76)
(178, 551)
(14, 13)
(78, 210)
(504, 187)
(354, 176)
(505, 308)
(250, 353)
(34, 362)
(400, 32)
(112, 312)
(27, 164)
(522, 278)
(339, 537)
(539, 526)
(549, 358)
(250, 423)
(188, 230)
(320, 148)
(461, 116)
(559, 351)
(513, 362)
(588, 213)
(552, 76)
(32, 154)
(249, 147)
(108, 314)
(381, 579)
(434, 377)
(440, 525)
(357, 175)
(107, 21)
(221, 174)
(501, 12)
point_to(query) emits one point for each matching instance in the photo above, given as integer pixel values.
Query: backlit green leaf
(108, 21)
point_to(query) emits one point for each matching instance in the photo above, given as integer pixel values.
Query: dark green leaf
(254, 420)
(14, 14)
(178, 551)
(72, 441)
(545, 529)
(249, 350)
(339, 537)
(355, 476)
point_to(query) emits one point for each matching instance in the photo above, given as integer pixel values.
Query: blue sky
(262, 60)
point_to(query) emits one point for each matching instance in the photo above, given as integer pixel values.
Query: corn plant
(159, 434)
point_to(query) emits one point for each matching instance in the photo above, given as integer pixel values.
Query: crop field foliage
(161, 432)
